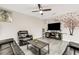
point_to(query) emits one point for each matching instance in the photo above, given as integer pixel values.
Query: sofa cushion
(4, 46)
(6, 49)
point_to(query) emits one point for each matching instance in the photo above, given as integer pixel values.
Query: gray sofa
(10, 47)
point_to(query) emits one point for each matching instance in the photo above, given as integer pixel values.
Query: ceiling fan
(40, 10)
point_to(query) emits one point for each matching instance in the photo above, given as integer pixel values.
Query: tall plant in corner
(71, 21)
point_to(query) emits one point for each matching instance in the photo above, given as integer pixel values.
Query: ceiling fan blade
(36, 11)
(39, 6)
(46, 9)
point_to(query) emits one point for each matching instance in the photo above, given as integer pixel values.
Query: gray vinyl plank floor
(57, 47)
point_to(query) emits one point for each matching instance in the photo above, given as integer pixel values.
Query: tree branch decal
(71, 21)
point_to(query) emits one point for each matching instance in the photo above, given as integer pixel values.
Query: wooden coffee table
(38, 44)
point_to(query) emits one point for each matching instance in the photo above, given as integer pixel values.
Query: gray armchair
(24, 37)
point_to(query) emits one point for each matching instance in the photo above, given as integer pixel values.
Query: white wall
(33, 25)
(21, 22)
(66, 35)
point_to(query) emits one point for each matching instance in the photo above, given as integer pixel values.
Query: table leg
(48, 49)
(74, 51)
(27, 46)
(39, 51)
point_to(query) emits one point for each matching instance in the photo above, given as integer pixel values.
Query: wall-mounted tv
(54, 26)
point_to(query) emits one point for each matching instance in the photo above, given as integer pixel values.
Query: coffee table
(38, 44)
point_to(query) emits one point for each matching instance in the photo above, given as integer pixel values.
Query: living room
(23, 19)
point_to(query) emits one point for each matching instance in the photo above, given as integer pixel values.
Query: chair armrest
(29, 36)
(16, 49)
(74, 45)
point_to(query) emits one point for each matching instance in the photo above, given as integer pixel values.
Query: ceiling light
(41, 12)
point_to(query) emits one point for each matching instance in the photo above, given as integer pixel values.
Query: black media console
(54, 35)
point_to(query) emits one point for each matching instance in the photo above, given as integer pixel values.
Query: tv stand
(54, 35)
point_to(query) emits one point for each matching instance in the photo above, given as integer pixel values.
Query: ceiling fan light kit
(41, 12)
(40, 9)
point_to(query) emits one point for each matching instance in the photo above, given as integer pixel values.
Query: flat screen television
(54, 26)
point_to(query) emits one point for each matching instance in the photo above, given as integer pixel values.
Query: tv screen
(54, 26)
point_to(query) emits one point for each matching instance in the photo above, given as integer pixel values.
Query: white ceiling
(57, 9)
